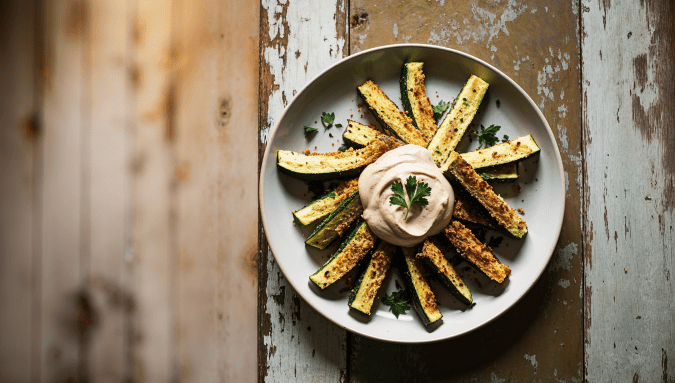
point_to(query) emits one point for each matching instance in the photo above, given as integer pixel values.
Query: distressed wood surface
(108, 157)
(298, 39)
(128, 232)
(151, 256)
(18, 147)
(629, 193)
(215, 138)
(65, 311)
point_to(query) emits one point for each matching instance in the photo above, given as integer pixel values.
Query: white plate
(542, 188)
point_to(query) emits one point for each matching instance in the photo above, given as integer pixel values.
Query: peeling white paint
(562, 136)
(291, 73)
(564, 283)
(493, 49)
(495, 379)
(533, 361)
(395, 30)
(520, 61)
(496, 26)
(545, 75)
(562, 111)
(567, 183)
(562, 257)
(485, 26)
(310, 27)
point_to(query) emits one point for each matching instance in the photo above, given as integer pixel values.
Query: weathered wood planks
(629, 189)
(151, 256)
(216, 222)
(19, 148)
(297, 40)
(65, 308)
(110, 190)
(109, 201)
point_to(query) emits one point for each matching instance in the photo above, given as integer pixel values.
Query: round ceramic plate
(541, 184)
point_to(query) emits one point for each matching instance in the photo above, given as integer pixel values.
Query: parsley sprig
(397, 301)
(327, 120)
(488, 137)
(416, 190)
(309, 130)
(440, 109)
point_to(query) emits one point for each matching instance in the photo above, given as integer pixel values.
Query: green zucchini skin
(299, 214)
(323, 206)
(443, 270)
(369, 283)
(405, 97)
(337, 222)
(358, 135)
(328, 166)
(457, 121)
(503, 153)
(415, 102)
(359, 243)
(503, 173)
(476, 191)
(419, 291)
(348, 172)
(392, 119)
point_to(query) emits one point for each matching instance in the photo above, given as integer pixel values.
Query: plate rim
(561, 176)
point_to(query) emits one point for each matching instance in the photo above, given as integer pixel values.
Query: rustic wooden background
(128, 151)
(130, 135)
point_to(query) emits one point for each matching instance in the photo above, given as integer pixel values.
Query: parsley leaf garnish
(327, 119)
(417, 191)
(440, 109)
(342, 148)
(397, 301)
(487, 137)
(309, 130)
(506, 138)
(338, 125)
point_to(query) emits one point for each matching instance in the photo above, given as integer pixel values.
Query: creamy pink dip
(386, 220)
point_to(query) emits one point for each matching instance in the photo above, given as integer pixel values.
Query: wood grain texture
(19, 135)
(216, 220)
(536, 44)
(297, 40)
(109, 154)
(65, 309)
(628, 85)
(151, 257)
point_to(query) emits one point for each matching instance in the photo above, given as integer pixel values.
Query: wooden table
(601, 72)
(130, 247)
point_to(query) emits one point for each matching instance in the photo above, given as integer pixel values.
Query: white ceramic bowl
(542, 194)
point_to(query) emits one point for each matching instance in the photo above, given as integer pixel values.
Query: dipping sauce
(387, 220)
